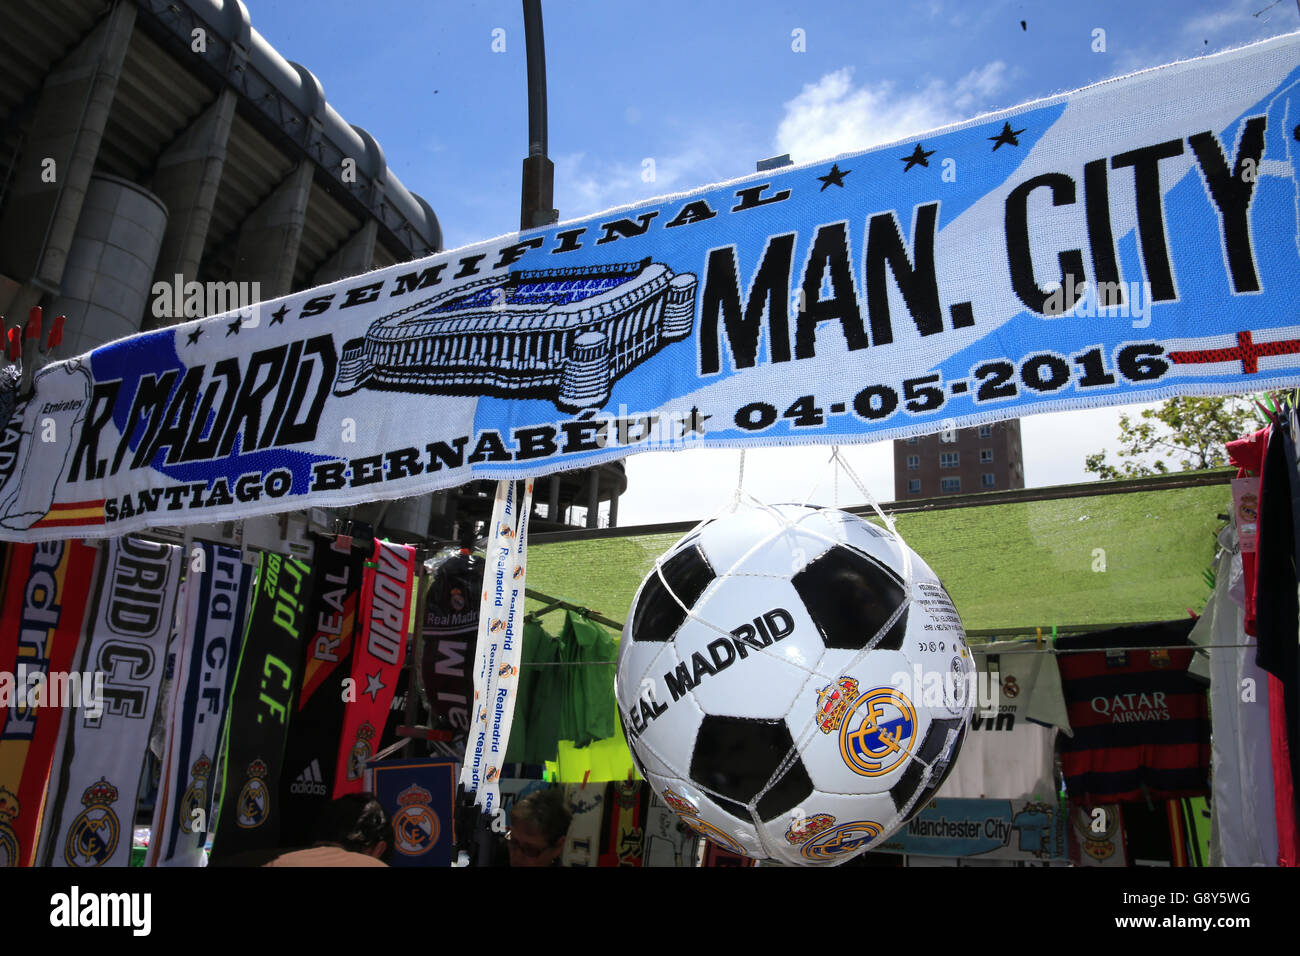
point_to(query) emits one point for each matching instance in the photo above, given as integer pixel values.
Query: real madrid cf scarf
(46, 591)
(211, 637)
(450, 626)
(377, 659)
(500, 642)
(419, 796)
(312, 750)
(94, 789)
(266, 686)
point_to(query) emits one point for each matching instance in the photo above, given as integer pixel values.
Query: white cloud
(834, 116)
(1236, 15)
(585, 184)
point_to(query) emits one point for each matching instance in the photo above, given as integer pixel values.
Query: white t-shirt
(1005, 753)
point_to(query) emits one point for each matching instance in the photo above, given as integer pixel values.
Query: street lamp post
(539, 172)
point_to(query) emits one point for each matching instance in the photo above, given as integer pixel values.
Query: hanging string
(835, 456)
(740, 482)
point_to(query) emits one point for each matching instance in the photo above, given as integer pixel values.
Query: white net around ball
(782, 524)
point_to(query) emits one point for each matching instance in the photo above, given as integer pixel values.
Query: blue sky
(647, 99)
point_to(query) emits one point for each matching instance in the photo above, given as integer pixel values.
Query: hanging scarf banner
(93, 791)
(499, 643)
(419, 796)
(311, 753)
(212, 634)
(450, 626)
(386, 594)
(46, 591)
(266, 685)
(1123, 243)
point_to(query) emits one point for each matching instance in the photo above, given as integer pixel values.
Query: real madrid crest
(255, 798)
(415, 827)
(361, 750)
(687, 811)
(1096, 828)
(196, 795)
(680, 805)
(92, 838)
(8, 838)
(802, 829)
(833, 701)
(841, 841)
(876, 731)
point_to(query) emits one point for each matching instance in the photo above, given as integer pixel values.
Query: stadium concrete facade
(160, 161)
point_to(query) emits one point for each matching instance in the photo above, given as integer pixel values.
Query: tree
(1191, 431)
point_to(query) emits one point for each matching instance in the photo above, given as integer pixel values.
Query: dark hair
(547, 811)
(357, 822)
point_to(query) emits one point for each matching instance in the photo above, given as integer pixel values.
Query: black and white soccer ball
(794, 682)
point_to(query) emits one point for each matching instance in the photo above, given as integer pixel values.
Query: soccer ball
(794, 682)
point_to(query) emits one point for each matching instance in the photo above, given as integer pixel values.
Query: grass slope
(1013, 565)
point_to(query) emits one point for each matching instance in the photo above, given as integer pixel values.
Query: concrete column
(409, 515)
(107, 281)
(355, 256)
(187, 179)
(269, 239)
(45, 201)
(613, 509)
(593, 498)
(553, 501)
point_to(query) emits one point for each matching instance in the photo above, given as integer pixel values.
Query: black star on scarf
(695, 422)
(1006, 138)
(278, 315)
(834, 178)
(233, 328)
(919, 156)
(193, 337)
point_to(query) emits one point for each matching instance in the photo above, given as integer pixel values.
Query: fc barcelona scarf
(377, 661)
(306, 782)
(95, 787)
(212, 634)
(45, 595)
(266, 685)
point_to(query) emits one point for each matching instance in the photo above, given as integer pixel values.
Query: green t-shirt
(535, 733)
(588, 712)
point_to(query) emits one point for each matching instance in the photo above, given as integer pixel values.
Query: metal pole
(539, 172)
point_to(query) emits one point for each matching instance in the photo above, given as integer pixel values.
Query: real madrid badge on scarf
(90, 811)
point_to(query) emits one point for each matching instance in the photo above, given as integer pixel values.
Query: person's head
(357, 822)
(538, 825)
